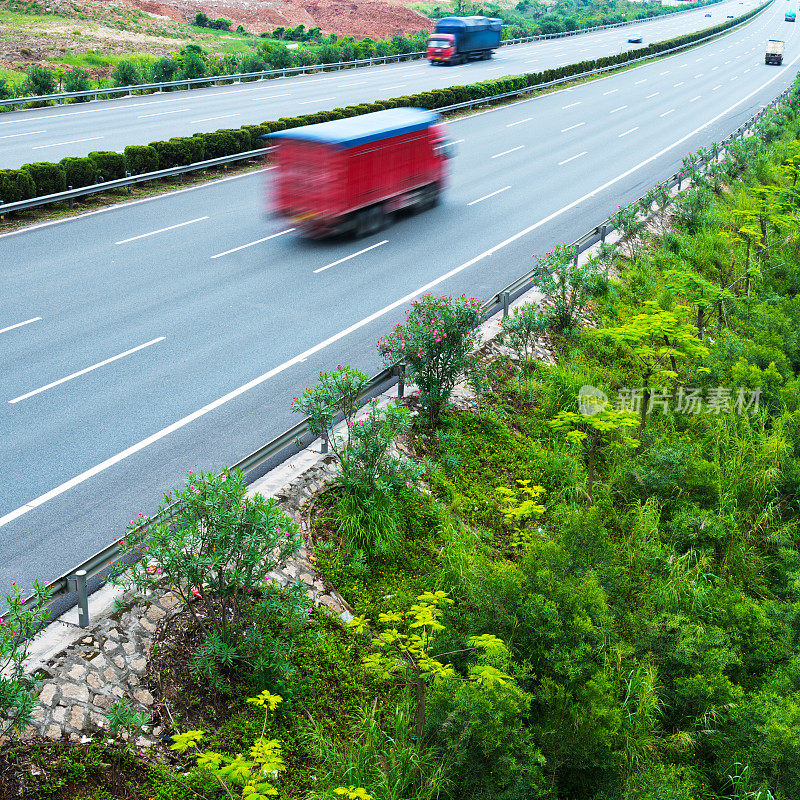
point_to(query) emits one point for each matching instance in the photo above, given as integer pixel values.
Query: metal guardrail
(95, 188)
(238, 77)
(75, 580)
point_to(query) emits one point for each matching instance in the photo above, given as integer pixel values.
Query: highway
(49, 134)
(171, 333)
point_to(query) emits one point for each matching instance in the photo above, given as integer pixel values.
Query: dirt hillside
(357, 18)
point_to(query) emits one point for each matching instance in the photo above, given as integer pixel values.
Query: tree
(658, 339)
(201, 19)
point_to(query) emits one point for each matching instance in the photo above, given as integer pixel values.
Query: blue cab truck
(459, 39)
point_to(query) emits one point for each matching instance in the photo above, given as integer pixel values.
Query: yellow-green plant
(519, 506)
(255, 775)
(403, 652)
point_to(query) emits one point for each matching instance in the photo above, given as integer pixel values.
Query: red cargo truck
(351, 174)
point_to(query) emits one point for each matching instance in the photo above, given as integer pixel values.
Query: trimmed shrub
(48, 178)
(240, 136)
(141, 158)
(191, 148)
(219, 144)
(16, 184)
(109, 165)
(78, 171)
(169, 154)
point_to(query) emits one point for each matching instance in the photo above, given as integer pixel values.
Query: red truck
(352, 174)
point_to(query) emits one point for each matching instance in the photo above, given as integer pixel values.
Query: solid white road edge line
(161, 230)
(141, 445)
(88, 369)
(20, 324)
(250, 244)
(352, 255)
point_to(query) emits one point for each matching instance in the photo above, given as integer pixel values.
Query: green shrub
(169, 154)
(48, 178)
(125, 73)
(240, 136)
(39, 81)
(108, 164)
(141, 158)
(191, 148)
(165, 69)
(15, 185)
(78, 171)
(76, 80)
(219, 144)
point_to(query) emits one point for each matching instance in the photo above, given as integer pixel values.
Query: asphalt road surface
(171, 333)
(49, 134)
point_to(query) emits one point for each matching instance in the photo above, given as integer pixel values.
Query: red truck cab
(352, 174)
(441, 48)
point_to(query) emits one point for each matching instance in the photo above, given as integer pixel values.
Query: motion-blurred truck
(790, 15)
(774, 52)
(350, 175)
(456, 40)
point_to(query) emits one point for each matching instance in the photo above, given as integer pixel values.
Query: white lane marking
(700, 75)
(571, 104)
(397, 85)
(695, 98)
(610, 92)
(652, 95)
(494, 69)
(714, 68)
(304, 356)
(211, 119)
(352, 255)
(20, 324)
(519, 122)
(665, 72)
(14, 135)
(272, 96)
(84, 371)
(718, 86)
(250, 244)
(487, 196)
(457, 141)
(572, 127)
(119, 206)
(735, 78)
(747, 70)
(571, 158)
(317, 100)
(676, 85)
(506, 152)
(354, 83)
(627, 132)
(162, 113)
(160, 230)
(643, 80)
(666, 113)
(614, 111)
(73, 141)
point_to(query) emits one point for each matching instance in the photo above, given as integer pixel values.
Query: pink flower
(197, 491)
(310, 610)
(190, 472)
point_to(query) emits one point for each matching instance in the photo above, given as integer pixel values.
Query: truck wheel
(428, 197)
(370, 220)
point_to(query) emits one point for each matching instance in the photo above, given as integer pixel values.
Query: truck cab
(441, 48)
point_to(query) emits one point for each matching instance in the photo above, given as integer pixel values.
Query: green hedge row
(43, 178)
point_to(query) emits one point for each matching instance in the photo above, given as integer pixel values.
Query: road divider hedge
(38, 180)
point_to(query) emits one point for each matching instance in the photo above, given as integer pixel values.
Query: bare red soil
(358, 18)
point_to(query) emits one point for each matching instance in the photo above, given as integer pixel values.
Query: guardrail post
(69, 202)
(680, 180)
(504, 300)
(77, 583)
(400, 370)
(603, 232)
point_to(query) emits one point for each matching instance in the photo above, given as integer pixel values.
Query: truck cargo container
(459, 39)
(774, 53)
(351, 174)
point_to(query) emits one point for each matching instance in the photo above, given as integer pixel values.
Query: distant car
(730, 16)
(635, 39)
(708, 15)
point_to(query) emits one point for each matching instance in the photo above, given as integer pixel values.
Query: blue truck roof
(452, 24)
(354, 131)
